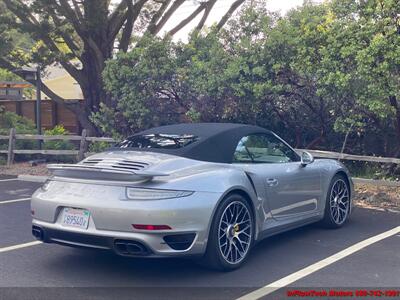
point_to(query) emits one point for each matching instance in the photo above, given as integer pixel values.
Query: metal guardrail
(344, 156)
(84, 139)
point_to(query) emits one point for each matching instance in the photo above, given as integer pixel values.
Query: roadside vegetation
(22, 126)
(324, 76)
(313, 76)
(25, 126)
(82, 35)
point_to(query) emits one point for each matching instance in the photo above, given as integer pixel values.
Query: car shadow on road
(271, 259)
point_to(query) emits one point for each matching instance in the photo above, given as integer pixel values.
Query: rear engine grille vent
(92, 161)
(119, 164)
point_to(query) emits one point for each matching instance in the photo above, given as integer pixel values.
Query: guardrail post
(11, 147)
(83, 145)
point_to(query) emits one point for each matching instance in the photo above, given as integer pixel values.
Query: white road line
(15, 200)
(10, 179)
(285, 281)
(20, 246)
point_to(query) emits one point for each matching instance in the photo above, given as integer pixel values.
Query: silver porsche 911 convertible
(207, 190)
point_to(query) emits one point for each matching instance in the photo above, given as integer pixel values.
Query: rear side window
(158, 141)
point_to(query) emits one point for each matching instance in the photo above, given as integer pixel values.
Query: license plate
(74, 217)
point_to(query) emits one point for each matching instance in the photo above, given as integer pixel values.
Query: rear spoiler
(101, 173)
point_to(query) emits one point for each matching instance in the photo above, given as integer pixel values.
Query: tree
(315, 75)
(82, 35)
(144, 82)
(362, 64)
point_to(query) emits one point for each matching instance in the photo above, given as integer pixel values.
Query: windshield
(163, 141)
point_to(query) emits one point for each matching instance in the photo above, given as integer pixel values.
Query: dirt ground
(372, 196)
(369, 196)
(25, 169)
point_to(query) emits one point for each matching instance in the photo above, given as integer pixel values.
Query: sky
(218, 11)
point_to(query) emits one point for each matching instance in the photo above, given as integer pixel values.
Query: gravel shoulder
(25, 169)
(382, 197)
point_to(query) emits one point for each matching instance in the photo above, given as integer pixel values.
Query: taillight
(151, 227)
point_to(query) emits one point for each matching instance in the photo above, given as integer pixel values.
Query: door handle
(272, 182)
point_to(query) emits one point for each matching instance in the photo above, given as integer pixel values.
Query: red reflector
(151, 227)
(32, 212)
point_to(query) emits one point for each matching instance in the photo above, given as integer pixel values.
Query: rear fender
(329, 170)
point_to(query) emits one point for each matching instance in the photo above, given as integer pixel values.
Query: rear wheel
(337, 206)
(231, 234)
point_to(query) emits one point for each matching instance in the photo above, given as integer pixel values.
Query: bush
(22, 125)
(12, 120)
(3, 160)
(99, 146)
(59, 144)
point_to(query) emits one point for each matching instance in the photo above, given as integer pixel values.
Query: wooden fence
(52, 113)
(84, 139)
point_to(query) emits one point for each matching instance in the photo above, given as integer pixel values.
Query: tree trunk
(393, 102)
(97, 50)
(82, 115)
(298, 137)
(93, 92)
(317, 140)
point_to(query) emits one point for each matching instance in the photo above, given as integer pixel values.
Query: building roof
(14, 84)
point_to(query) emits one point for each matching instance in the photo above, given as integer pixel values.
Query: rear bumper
(112, 216)
(124, 247)
(183, 244)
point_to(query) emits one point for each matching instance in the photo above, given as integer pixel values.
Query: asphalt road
(46, 271)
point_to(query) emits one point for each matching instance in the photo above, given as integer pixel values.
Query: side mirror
(306, 158)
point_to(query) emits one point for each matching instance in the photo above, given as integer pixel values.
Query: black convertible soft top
(213, 142)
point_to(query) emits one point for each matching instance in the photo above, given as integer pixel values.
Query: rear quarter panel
(220, 179)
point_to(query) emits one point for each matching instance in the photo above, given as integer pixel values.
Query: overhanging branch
(117, 21)
(167, 15)
(235, 5)
(131, 16)
(186, 21)
(209, 6)
(21, 12)
(5, 64)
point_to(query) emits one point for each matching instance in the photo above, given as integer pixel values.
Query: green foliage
(8, 76)
(10, 120)
(43, 32)
(99, 146)
(371, 170)
(139, 80)
(193, 115)
(22, 125)
(58, 144)
(314, 75)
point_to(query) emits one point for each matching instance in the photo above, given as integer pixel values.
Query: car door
(291, 189)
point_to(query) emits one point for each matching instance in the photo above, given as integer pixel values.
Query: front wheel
(231, 234)
(337, 208)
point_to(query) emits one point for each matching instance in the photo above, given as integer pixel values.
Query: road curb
(7, 177)
(33, 178)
